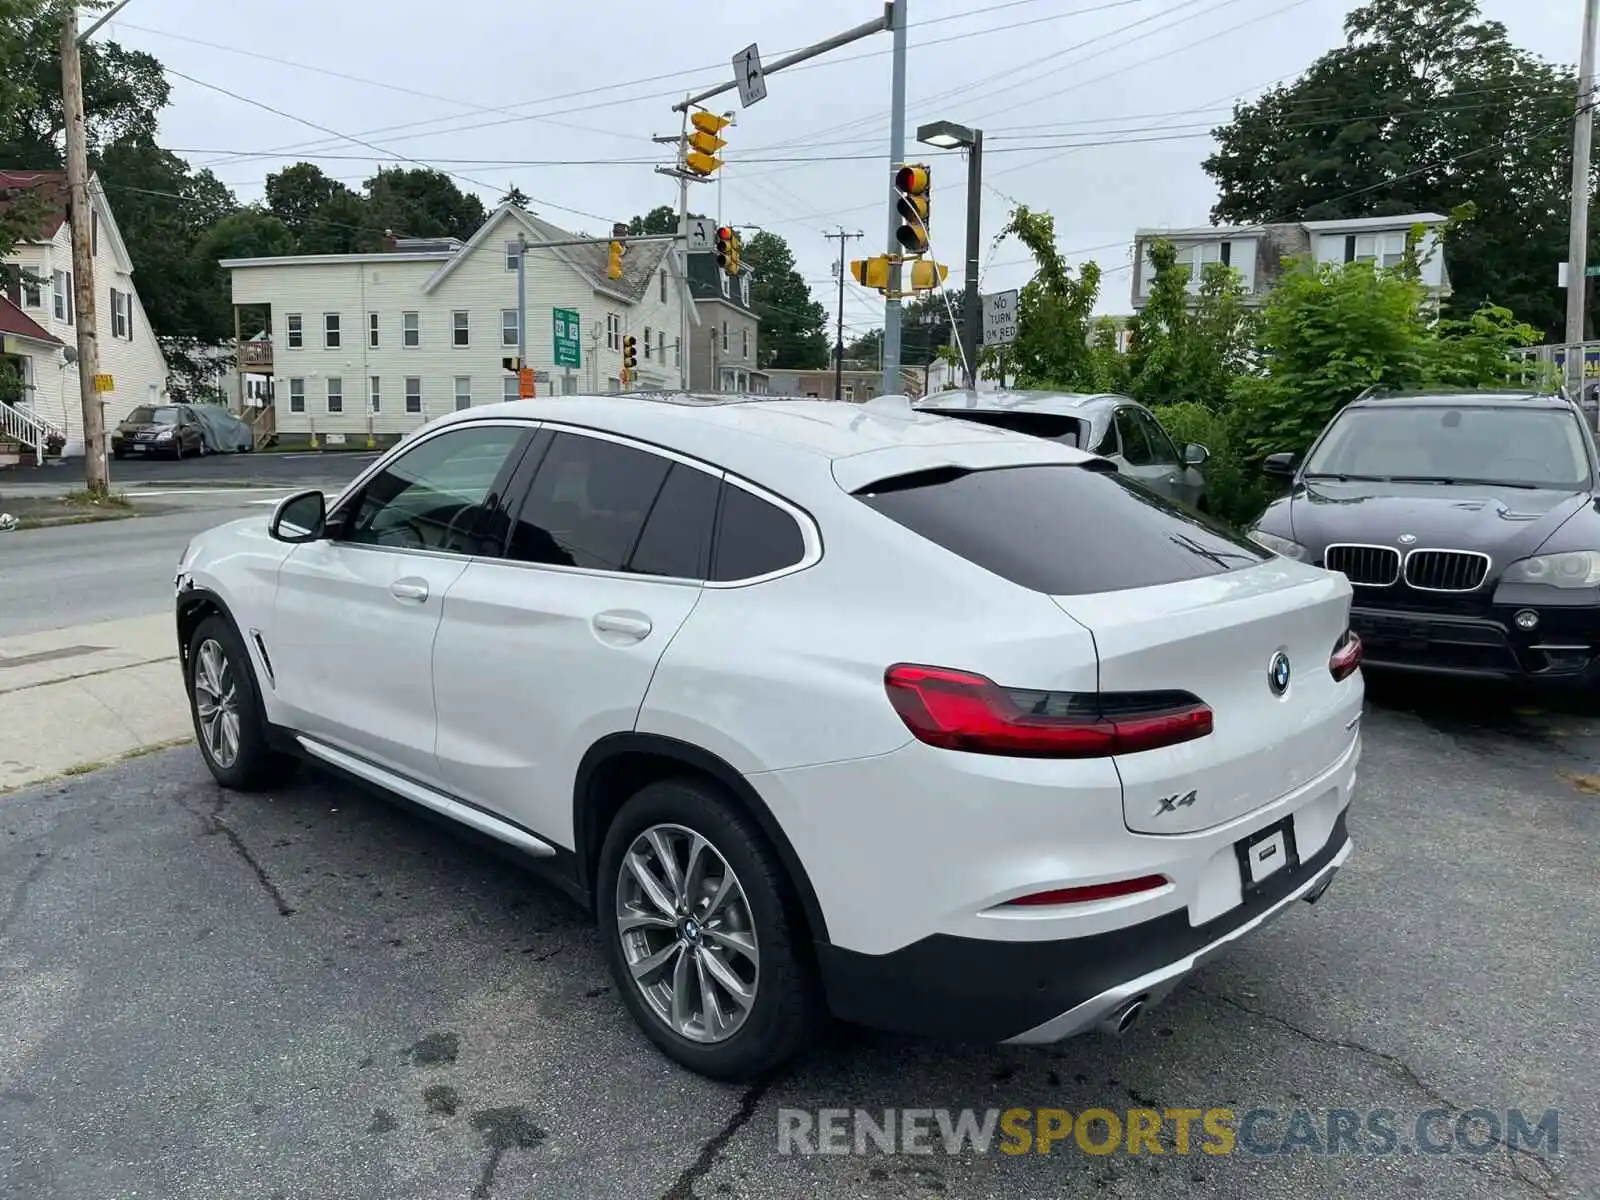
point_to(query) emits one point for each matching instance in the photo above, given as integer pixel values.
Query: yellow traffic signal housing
(630, 353)
(727, 250)
(913, 181)
(927, 274)
(871, 272)
(700, 154)
(614, 267)
(735, 254)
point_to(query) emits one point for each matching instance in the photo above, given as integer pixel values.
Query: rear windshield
(1053, 426)
(1061, 529)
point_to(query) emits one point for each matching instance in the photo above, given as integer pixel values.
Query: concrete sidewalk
(86, 695)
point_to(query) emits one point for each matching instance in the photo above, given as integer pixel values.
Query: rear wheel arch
(617, 766)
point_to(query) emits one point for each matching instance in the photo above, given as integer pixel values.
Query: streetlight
(947, 135)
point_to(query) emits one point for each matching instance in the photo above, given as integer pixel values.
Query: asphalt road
(288, 469)
(318, 994)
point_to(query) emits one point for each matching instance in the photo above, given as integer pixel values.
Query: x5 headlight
(1281, 546)
(1574, 569)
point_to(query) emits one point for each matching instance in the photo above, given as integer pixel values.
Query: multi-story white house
(38, 322)
(1258, 252)
(370, 346)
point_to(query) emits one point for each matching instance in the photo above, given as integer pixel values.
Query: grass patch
(84, 498)
(90, 767)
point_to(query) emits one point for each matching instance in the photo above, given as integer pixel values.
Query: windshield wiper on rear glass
(1220, 557)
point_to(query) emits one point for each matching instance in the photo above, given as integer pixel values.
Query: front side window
(587, 504)
(1008, 521)
(1136, 448)
(410, 330)
(294, 330)
(460, 328)
(1530, 447)
(335, 394)
(508, 327)
(330, 330)
(1162, 450)
(413, 394)
(428, 498)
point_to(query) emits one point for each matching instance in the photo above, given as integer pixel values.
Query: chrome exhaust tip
(1123, 1019)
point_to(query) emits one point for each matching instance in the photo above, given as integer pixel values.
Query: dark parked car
(170, 430)
(1117, 427)
(1467, 524)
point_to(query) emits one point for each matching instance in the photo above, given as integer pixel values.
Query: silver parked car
(1115, 427)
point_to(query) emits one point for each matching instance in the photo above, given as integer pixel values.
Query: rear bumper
(971, 989)
(1563, 648)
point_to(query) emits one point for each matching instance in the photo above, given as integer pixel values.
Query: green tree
(514, 196)
(297, 195)
(1054, 311)
(421, 203)
(661, 219)
(249, 233)
(793, 325)
(1425, 107)
(1189, 346)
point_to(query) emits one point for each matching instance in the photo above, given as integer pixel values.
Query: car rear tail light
(1346, 657)
(957, 710)
(1091, 892)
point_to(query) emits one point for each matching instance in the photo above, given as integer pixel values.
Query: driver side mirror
(300, 518)
(1195, 455)
(1282, 465)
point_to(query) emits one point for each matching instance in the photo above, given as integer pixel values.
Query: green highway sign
(1591, 270)
(566, 331)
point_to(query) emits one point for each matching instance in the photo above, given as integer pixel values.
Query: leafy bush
(1236, 491)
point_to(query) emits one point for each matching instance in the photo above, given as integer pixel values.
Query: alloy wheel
(687, 934)
(216, 703)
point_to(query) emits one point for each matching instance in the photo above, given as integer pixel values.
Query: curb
(75, 519)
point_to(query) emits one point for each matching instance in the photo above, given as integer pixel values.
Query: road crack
(215, 824)
(1516, 1155)
(683, 1187)
(19, 894)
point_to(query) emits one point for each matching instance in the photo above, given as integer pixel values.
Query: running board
(437, 801)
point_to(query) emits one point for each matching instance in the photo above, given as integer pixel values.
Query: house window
(508, 388)
(613, 331)
(647, 343)
(62, 290)
(121, 317)
(295, 330)
(30, 293)
(297, 395)
(508, 327)
(413, 394)
(724, 337)
(1384, 249)
(335, 394)
(677, 351)
(463, 392)
(744, 290)
(460, 328)
(330, 330)
(375, 391)
(850, 391)
(94, 231)
(727, 288)
(663, 285)
(511, 256)
(661, 345)
(372, 330)
(744, 338)
(410, 330)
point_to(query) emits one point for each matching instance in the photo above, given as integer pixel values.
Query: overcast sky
(500, 93)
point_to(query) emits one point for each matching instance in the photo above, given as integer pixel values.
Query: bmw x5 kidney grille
(1446, 570)
(1365, 566)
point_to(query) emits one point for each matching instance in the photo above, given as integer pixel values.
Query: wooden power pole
(96, 475)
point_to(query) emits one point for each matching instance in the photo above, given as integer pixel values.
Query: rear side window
(676, 541)
(753, 538)
(1061, 530)
(1052, 426)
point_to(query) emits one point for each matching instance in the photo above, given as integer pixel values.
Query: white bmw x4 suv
(818, 707)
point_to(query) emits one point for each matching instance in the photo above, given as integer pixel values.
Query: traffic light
(630, 353)
(727, 249)
(912, 181)
(871, 272)
(614, 267)
(735, 254)
(927, 274)
(700, 155)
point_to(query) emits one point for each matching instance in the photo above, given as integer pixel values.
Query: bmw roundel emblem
(1278, 673)
(1407, 539)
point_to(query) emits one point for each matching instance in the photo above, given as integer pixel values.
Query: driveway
(319, 994)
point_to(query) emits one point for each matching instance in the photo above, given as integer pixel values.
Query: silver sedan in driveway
(1116, 427)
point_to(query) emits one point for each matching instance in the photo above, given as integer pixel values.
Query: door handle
(409, 589)
(634, 627)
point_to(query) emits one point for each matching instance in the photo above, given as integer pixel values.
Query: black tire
(787, 1004)
(255, 766)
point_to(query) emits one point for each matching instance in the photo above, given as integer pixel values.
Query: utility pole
(522, 304)
(838, 369)
(96, 471)
(1578, 222)
(897, 154)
